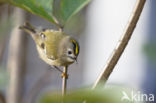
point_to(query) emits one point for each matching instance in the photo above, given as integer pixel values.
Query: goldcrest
(54, 47)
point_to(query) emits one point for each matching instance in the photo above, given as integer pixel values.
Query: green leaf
(63, 10)
(47, 5)
(41, 8)
(107, 95)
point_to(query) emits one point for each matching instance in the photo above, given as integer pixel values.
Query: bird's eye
(69, 52)
(42, 45)
(42, 35)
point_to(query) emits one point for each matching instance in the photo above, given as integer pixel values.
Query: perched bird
(56, 48)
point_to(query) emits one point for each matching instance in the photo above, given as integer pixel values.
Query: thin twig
(107, 70)
(64, 80)
(58, 25)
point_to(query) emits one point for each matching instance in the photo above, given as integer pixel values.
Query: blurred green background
(24, 78)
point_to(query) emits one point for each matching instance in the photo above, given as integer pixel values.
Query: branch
(64, 80)
(107, 70)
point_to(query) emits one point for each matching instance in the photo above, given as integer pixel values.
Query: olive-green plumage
(54, 47)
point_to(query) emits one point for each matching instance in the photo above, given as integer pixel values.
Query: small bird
(54, 47)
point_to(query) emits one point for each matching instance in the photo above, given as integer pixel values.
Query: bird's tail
(29, 29)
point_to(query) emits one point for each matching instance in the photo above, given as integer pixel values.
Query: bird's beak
(76, 60)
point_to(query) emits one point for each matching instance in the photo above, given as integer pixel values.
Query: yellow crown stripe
(76, 50)
(76, 47)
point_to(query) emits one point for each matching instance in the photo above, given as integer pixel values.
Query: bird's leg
(57, 68)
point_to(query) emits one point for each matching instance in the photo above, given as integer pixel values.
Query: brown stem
(64, 80)
(58, 25)
(107, 70)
